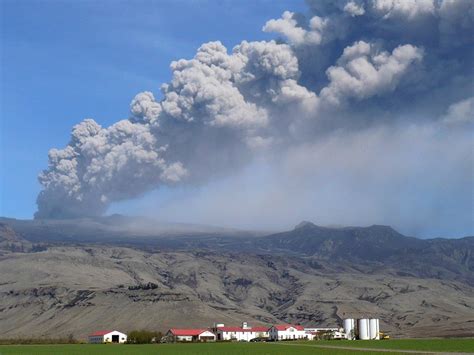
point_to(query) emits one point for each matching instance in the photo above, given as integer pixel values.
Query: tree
(144, 337)
(70, 338)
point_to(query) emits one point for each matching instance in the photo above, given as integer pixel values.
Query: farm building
(322, 329)
(287, 332)
(107, 336)
(243, 333)
(335, 332)
(191, 335)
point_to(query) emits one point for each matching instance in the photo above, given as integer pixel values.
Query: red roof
(100, 333)
(187, 332)
(283, 327)
(239, 329)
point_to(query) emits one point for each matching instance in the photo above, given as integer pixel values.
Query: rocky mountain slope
(380, 245)
(10, 241)
(311, 275)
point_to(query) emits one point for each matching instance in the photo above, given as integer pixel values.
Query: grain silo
(374, 329)
(349, 328)
(363, 328)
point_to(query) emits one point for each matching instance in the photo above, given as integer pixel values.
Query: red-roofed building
(243, 333)
(107, 336)
(287, 332)
(191, 335)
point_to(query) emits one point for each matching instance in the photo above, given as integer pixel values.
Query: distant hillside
(367, 243)
(77, 290)
(374, 246)
(10, 241)
(379, 245)
(89, 273)
(7, 234)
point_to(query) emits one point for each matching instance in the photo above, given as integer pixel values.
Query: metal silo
(378, 329)
(374, 328)
(364, 329)
(349, 328)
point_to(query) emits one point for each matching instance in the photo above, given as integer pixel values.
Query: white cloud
(363, 72)
(144, 108)
(202, 90)
(354, 9)
(404, 9)
(293, 32)
(101, 165)
(460, 112)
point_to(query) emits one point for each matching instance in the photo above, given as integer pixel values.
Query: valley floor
(420, 346)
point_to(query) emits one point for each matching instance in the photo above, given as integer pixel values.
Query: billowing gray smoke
(346, 66)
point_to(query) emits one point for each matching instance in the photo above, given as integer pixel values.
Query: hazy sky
(339, 112)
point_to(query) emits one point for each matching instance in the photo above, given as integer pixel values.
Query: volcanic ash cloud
(343, 66)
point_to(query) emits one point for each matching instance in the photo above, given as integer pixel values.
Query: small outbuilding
(107, 336)
(203, 335)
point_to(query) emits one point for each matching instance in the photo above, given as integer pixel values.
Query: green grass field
(442, 345)
(171, 349)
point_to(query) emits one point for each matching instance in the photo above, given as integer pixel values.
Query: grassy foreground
(172, 349)
(442, 345)
(284, 348)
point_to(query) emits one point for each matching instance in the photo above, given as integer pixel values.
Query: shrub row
(143, 337)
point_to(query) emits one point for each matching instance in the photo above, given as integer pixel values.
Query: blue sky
(63, 61)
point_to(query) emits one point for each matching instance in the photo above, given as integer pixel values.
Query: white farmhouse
(287, 332)
(191, 334)
(107, 336)
(243, 333)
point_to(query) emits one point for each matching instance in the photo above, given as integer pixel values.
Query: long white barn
(107, 336)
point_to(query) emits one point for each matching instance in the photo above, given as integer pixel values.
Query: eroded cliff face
(78, 289)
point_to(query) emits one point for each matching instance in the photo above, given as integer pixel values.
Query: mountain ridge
(89, 276)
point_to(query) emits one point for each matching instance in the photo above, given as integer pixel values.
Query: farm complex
(363, 329)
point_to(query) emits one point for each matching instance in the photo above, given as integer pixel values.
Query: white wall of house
(184, 338)
(203, 336)
(207, 335)
(287, 334)
(241, 335)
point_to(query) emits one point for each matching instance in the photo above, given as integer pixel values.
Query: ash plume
(344, 66)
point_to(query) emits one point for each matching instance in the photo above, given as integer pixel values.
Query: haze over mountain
(83, 274)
